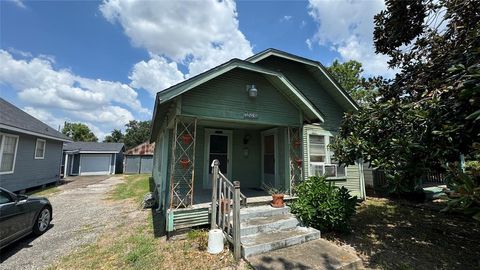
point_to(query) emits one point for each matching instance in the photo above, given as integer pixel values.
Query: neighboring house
(92, 158)
(30, 150)
(139, 159)
(268, 119)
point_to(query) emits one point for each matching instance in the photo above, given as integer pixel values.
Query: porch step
(264, 242)
(264, 228)
(262, 211)
(268, 224)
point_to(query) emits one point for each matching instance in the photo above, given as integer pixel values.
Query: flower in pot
(298, 162)
(277, 197)
(187, 138)
(224, 203)
(297, 143)
(185, 162)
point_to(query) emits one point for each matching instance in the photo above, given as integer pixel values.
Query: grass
(134, 187)
(402, 235)
(45, 192)
(132, 244)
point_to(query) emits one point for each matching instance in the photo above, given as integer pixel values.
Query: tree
(424, 117)
(137, 132)
(116, 136)
(349, 75)
(79, 132)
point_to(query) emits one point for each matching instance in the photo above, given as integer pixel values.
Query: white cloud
(19, 3)
(155, 75)
(46, 89)
(286, 18)
(347, 27)
(196, 34)
(309, 43)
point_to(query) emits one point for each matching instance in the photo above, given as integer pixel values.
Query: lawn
(45, 192)
(134, 188)
(402, 235)
(132, 245)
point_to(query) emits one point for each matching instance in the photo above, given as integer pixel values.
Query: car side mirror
(21, 198)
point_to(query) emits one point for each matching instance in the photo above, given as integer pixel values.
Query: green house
(267, 119)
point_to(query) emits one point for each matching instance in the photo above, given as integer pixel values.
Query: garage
(95, 164)
(139, 159)
(92, 158)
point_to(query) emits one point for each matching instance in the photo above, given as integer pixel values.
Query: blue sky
(100, 63)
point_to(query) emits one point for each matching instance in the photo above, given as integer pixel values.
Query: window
(8, 152)
(5, 197)
(40, 149)
(321, 158)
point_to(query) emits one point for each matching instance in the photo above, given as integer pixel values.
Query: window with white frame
(8, 152)
(40, 149)
(321, 159)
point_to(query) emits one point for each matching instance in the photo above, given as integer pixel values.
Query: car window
(4, 197)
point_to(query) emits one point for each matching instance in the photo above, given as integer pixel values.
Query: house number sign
(252, 116)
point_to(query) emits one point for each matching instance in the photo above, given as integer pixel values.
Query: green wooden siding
(352, 181)
(225, 97)
(303, 79)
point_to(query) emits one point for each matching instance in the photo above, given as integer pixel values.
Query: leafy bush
(322, 205)
(465, 197)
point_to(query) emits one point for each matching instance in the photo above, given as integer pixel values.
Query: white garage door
(95, 164)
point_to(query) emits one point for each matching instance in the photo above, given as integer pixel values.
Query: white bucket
(215, 241)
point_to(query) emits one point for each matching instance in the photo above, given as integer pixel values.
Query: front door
(218, 146)
(269, 160)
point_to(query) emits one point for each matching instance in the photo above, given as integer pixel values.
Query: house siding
(304, 80)
(352, 182)
(225, 97)
(30, 172)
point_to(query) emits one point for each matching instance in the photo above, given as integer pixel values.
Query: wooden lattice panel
(295, 155)
(183, 162)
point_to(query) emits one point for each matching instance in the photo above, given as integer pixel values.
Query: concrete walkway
(317, 254)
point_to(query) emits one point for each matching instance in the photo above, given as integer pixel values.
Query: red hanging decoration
(299, 162)
(185, 163)
(297, 143)
(187, 138)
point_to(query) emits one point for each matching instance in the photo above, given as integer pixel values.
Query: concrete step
(262, 211)
(264, 242)
(266, 224)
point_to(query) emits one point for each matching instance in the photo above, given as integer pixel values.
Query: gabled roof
(93, 147)
(15, 119)
(340, 95)
(276, 77)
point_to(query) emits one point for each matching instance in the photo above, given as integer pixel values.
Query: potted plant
(185, 162)
(278, 195)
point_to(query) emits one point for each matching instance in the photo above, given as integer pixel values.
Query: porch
(258, 156)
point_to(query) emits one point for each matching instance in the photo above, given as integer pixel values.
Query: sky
(101, 63)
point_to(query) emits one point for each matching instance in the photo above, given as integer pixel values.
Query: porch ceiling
(233, 125)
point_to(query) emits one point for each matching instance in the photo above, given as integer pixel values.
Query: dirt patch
(401, 235)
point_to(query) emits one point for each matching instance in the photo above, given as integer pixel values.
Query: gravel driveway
(80, 213)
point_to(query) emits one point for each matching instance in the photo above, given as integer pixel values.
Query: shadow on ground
(25, 242)
(402, 235)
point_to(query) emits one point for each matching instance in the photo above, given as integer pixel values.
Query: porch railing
(226, 202)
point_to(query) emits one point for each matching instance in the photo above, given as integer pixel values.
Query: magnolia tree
(426, 116)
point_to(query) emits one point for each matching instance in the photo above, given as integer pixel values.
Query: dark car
(21, 215)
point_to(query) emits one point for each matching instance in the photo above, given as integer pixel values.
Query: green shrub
(466, 192)
(322, 205)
